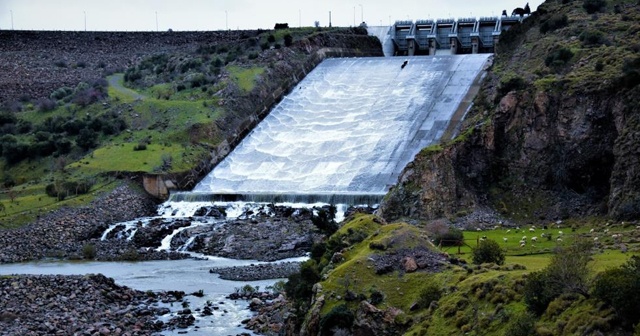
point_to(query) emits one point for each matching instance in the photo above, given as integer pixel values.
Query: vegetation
(488, 251)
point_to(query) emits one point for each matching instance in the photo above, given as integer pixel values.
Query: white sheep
(595, 239)
(543, 235)
(524, 237)
(560, 233)
(478, 229)
(504, 239)
(534, 239)
(606, 231)
(558, 239)
(508, 230)
(522, 244)
(532, 230)
(591, 231)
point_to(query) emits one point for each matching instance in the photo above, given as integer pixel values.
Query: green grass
(32, 201)
(245, 78)
(122, 157)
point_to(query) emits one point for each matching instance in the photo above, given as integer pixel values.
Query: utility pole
(157, 22)
(11, 19)
(329, 19)
(226, 19)
(85, 20)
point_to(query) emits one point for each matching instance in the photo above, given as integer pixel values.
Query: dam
(347, 130)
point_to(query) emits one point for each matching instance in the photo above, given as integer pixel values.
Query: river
(185, 275)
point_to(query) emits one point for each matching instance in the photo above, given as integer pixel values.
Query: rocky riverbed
(257, 272)
(80, 305)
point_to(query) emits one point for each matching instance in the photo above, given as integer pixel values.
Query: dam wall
(349, 127)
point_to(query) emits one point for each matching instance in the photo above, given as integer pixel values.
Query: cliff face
(560, 140)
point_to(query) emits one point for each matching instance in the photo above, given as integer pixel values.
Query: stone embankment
(257, 271)
(79, 305)
(35, 63)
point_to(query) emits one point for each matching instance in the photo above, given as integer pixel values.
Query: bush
(593, 6)
(87, 139)
(488, 251)
(45, 105)
(451, 237)
(271, 38)
(89, 251)
(432, 292)
(288, 40)
(339, 317)
(376, 297)
(620, 288)
(521, 325)
(592, 38)
(511, 83)
(325, 220)
(558, 57)
(553, 23)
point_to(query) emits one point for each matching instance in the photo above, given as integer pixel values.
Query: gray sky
(140, 15)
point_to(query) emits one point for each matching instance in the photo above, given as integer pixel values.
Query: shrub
(288, 40)
(451, 237)
(592, 38)
(89, 251)
(488, 251)
(325, 220)
(432, 292)
(45, 104)
(593, 6)
(553, 23)
(60, 64)
(376, 297)
(558, 57)
(61, 93)
(271, 38)
(511, 83)
(142, 145)
(521, 325)
(620, 288)
(340, 317)
(87, 139)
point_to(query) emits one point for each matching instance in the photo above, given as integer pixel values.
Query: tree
(620, 288)
(567, 273)
(488, 251)
(87, 139)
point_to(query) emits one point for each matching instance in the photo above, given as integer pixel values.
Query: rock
(409, 264)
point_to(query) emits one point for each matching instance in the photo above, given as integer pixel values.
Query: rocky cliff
(554, 132)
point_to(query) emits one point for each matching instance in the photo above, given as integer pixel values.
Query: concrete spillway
(349, 127)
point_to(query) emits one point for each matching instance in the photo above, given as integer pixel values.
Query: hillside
(530, 213)
(179, 104)
(554, 131)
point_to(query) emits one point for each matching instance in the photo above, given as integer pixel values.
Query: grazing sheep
(522, 244)
(524, 237)
(595, 239)
(504, 239)
(560, 233)
(543, 235)
(532, 230)
(591, 231)
(558, 239)
(606, 231)
(508, 230)
(478, 229)
(534, 239)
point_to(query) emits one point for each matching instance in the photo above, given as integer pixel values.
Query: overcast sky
(140, 15)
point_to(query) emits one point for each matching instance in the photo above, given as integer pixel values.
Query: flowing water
(342, 135)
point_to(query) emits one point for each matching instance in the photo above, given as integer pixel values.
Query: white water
(350, 126)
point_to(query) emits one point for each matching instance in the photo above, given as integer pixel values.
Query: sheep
(534, 239)
(508, 230)
(543, 235)
(558, 239)
(522, 243)
(504, 239)
(532, 230)
(478, 229)
(591, 231)
(524, 237)
(606, 231)
(560, 233)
